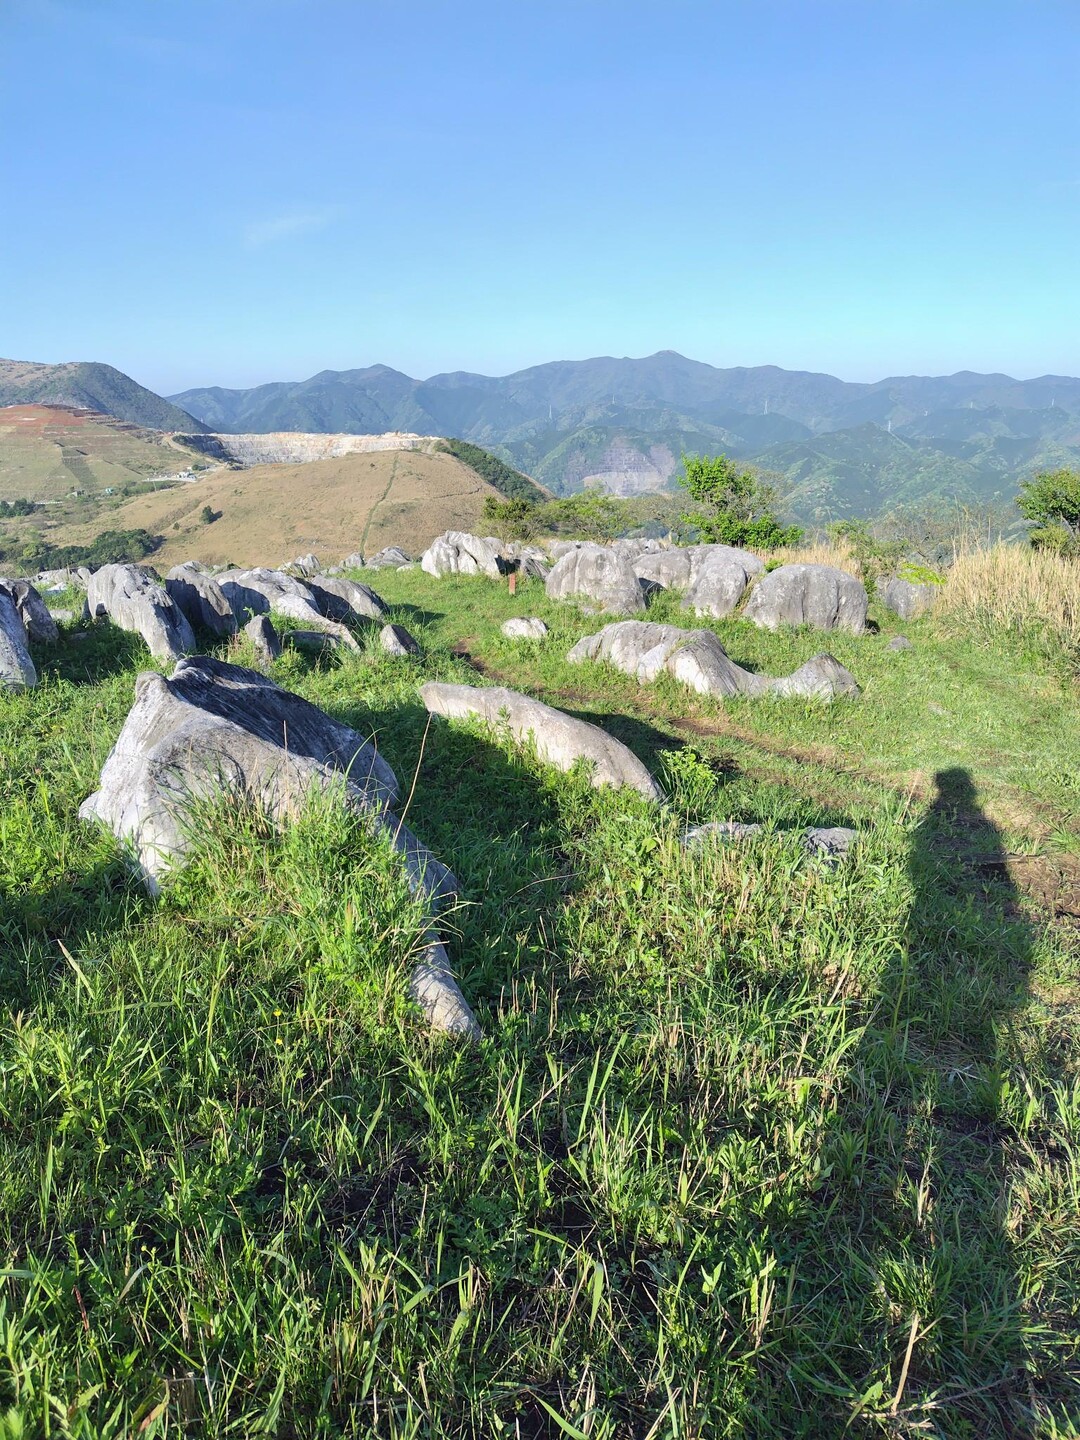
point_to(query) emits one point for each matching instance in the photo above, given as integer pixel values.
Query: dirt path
(378, 502)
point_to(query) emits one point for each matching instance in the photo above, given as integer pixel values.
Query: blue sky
(222, 192)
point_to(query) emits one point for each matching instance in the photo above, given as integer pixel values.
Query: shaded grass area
(752, 1146)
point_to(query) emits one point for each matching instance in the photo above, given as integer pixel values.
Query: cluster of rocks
(167, 613)
(618, 579)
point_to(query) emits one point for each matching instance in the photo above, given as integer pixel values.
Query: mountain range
(839, 449)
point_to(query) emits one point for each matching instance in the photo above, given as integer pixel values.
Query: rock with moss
(212, 731)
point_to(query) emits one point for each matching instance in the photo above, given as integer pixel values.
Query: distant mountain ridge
(624, 423)
(89, 385)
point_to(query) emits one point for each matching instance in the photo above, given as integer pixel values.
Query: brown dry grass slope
(272, 513)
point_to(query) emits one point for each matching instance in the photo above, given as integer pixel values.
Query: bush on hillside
(10, 508)
(736, 507)
(111, 547)
(510, 519)
(1052, 501)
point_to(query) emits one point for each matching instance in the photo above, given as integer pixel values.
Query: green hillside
(90, 386)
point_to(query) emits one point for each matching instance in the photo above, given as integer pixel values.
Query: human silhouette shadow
(918, 1188)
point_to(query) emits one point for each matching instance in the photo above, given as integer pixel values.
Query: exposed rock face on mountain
(290, 448)
(211, 727)
(560, 739)
(818, 595)
(602, 578)
(17, 670)
(697, 659)
(134, 599)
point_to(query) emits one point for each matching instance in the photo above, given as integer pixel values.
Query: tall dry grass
(1033, 594)
(837, 553)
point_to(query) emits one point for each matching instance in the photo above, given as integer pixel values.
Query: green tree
(510, 519)
(208, 515)
(736, 507)
(1052, 501)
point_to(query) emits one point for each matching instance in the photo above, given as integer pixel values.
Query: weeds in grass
(1033, 595)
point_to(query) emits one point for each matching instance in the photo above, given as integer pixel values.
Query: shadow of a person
(939, 1307)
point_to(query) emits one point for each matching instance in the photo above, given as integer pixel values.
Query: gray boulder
(721, 832)
(560, 740)
(341, 599)
(396, 640)
(457, 553)
(817, 595)
(74, 579)
(899, 642)
(392, 556)
(306, 565)
(261, 591)
(524, 627)
(720, 578)
(201, 599)
(355, 561)
(213, 729)
(260, 631)
(17, 670)
(907, 598)
(39, 624)
(697, 659)
(826, 843)
(134, 599)
(602, 578)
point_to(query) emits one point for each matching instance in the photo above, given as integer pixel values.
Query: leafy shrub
(737, 505)
(111, 547)
(510, 519)
(9, 508)
(1052, 501)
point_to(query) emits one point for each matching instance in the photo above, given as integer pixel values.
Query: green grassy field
(751, 1147)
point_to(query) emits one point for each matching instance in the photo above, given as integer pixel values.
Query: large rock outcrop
(457, 553)
(201, 599)
(719, 579)
(560, 739)
(818, 595)
(261, 591)
(603, 579)
(39, 624)
(17, 670)
(134, 599)
(341, 599)
(696, 658)
(214, 729)
(908, 598)
(391, 557)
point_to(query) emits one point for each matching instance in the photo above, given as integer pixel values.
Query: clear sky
(233, 191)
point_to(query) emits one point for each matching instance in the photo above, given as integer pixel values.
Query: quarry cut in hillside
(268, 514)
(287, 447)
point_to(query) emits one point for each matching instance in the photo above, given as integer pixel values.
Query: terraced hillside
(270, 513)
(48, 451)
